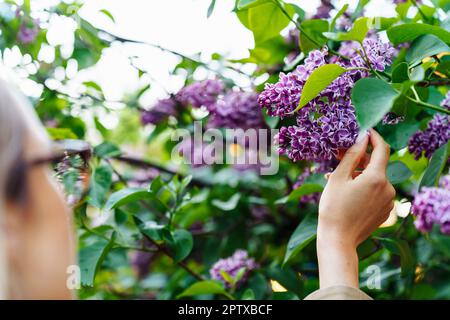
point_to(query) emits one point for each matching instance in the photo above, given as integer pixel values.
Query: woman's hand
(352, 206)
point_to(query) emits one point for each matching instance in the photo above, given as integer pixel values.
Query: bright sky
(179, 25)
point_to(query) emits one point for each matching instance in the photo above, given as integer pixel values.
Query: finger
(380, 154)
(352, 157)
(362, 164)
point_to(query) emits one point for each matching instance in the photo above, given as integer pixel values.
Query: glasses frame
(16, 181)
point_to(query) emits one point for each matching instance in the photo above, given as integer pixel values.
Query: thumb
(352, 157)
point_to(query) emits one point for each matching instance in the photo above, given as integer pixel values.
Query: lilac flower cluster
(434, 136)
(160, 111)
(231, 266)
(28, 31)
(379, 54)
(323, 11)
(328, 122)
(236, 109)
(432, 206)
(203, 93)
(282, 97)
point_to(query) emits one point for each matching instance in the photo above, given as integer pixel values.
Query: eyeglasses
(70, 162)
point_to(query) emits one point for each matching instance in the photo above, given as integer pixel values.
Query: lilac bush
(434, 136)
(202, 93)
(160, 111)
(328, 122)
(236, 109)
(28, 31)
(432, 206)
(231, 266)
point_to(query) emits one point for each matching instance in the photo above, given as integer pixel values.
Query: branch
(146, 164)
(176, 53)
(436, 83)
(180, 263)
(300, 28)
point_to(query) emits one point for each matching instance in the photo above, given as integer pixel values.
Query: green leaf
(91, 257)
(425, 46)
(437, 163)
(410, 31)
(227, 277)
(301, 191)
(372, 99)
(359, 8)
(337, 16)
(357, 33)
(61, 133)
(248, 294)
(107, 150)
(205, 287)
(125, 196)
(319, 79)
(229, 205)
(101, 180)
(211, 8)
(304, 234)
(267, 20)
(400, 73)
(152, 229)
(401, 248)
(397, 136)
(93, 85)
(397, 172)
(182, 245)
(245, 4)
(314, 29)
(108, 14)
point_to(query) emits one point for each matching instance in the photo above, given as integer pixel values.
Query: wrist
(332, 238)
(337, 258)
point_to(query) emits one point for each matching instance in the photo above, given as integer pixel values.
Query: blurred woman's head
(36, 244)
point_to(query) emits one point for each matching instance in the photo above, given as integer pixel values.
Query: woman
(37, 239)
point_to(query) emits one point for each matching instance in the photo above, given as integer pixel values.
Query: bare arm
(352, 206)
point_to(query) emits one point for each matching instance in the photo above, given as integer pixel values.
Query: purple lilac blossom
(323, 11)
(202, 93)
(231, 266)
(236, 109)
(432, 206)
(392, 118)
(282, 97)
(434, 136)
(159, 112)
(28, 31)
(197, 153)
(328, 122)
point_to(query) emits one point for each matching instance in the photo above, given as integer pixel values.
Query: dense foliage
(154, 227)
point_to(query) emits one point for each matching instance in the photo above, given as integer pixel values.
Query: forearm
(338, 261)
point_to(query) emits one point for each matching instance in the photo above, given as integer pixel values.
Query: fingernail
(361, 136)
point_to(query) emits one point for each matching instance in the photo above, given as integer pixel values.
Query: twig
(180, 263)
(300, 28)
(436, 83)
(176, 53)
